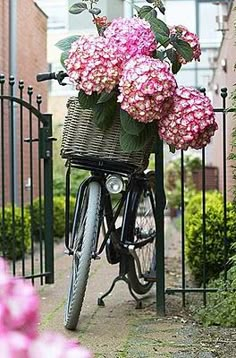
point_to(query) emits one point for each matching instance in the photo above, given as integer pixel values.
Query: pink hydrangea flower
(131, 37)
(19, 338)
(19, 305)
(51, 345)
(93, 64)
(144, 86)
(190, 121)
(191, 38)
(14, 345)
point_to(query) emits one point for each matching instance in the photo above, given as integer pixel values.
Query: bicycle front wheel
(144, 262)
(87, 226)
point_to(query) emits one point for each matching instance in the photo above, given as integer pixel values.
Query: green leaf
(78, 8)
(105, 97)
(95, 11)
(65, 44)
(160, 30)
(64, 56)
(171, 54)
(171, 148)
(86, 101)
(152, 13)
(133, 143)
(176, 66)
(184, 49)
(130, 125)
(104, 113)
(160, 55)
(137, 8)
(146, 12)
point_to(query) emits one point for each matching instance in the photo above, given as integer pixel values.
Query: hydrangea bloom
(18, 324)
(190, 121)
(18, 306)
(189, 37)
(131, 37)
(51, 345)
(144, 86)
(93, 64)
(14, 345)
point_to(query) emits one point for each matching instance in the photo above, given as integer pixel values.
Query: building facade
(224, 77)
(23, 54)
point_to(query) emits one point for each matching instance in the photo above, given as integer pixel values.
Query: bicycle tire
(147, 253)
(88, 223)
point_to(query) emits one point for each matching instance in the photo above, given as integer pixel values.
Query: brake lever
(60, 77)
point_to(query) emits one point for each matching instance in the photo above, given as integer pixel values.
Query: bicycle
(131, 244)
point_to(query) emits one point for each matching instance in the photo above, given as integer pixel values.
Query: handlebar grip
(46, 76)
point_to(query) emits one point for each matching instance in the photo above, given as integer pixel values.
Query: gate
(26, 183)
(184, 285)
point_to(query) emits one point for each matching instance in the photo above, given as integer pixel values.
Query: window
(57, 13)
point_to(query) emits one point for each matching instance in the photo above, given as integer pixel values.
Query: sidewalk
(118, 330)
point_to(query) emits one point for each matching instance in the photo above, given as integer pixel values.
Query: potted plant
(125, 77)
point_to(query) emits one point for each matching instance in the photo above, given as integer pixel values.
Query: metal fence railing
(25, 183)
(186, 286)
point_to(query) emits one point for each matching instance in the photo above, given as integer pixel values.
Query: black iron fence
(26, 201)
(184, 285)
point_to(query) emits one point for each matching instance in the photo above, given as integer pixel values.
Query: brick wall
(31, 32)
(4, 49)
(224, 78)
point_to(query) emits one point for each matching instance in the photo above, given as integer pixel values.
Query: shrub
(59, 182)
(214, 234)
(58, 217)
(173, 180)
(22, 235)
(221, 305)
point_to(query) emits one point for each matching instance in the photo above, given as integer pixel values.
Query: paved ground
(119, 330)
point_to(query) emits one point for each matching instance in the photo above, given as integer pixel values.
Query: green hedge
(221, 305)
(21, 247)
(59, 182)
(58, 217)
(214, 234)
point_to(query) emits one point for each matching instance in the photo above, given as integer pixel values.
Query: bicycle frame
(128, 201)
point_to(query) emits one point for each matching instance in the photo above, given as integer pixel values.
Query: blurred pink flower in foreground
(19, 316)
(50, 345)
(19, 306)
(144, 86)
(190, 121)
(14, 345)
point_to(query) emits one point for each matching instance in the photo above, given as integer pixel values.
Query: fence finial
(11, 80)
(21, 84)
(224, 92)
(2, 78)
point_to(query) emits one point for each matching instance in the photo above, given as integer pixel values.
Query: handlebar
(47, 76)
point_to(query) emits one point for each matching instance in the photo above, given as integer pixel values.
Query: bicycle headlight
(114, 184)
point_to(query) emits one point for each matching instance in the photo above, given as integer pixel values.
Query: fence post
(46, 153)
(160, 245)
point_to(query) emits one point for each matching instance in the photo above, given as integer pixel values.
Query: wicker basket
(81, 138)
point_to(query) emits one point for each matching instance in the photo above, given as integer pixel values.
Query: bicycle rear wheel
(87, 227)
(144, 228)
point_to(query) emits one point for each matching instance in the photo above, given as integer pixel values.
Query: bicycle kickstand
(126, 280)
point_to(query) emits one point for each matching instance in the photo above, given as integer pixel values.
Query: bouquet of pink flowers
(19, 319)
(129, 67)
